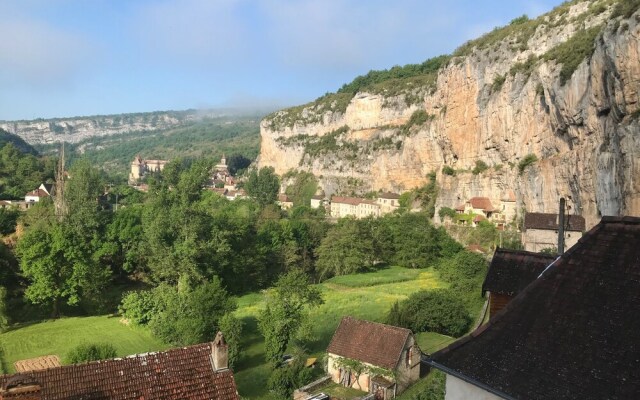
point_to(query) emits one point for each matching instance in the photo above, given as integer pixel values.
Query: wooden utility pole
(561, 227)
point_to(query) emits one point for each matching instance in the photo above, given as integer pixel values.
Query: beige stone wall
(539, 239)
(457, 389)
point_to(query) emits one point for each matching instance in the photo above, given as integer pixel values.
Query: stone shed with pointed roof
(571, 334)
(541, 231)
(390, 357)
(190, 373)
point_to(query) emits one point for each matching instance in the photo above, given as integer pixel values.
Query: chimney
(21, 387)
(219, 353)
(561, 227)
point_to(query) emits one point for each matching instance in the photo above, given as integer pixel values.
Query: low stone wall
(306, 391)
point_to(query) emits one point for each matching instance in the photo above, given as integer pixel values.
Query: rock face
(76, 129)
(583, 131)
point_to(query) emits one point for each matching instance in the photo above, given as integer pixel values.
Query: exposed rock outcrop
(489, 106)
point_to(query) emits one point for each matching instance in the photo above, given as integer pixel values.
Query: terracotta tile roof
(371, 342)
(460, 208)
(511, 271)
(481, 203)
(571, 334)
(354, 201)
(37, 193)
(184, 373)
(389, 195)
(550, 222)
(479, 218)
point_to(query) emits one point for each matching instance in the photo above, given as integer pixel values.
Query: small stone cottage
(373, 357)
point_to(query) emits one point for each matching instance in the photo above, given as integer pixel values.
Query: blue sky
(61, 58)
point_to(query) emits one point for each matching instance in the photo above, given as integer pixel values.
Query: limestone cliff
(76, 129)
(498, 103)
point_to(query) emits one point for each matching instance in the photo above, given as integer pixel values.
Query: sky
(63, 58)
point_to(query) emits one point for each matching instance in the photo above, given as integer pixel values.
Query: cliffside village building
(391, 352)
(197, 372)
(541, 231)
(361, 208)
(571, 334)
(483, 209)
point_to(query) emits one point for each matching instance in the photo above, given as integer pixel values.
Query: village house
(353, 207)
(509, 273)
(44, 190)
(388, 357)
(478, 206)
(508, 210)
(284, 201)
(317, 201)
(541, 231)
(388, 202)
(189, 373)
(571, 334)
(140, 167)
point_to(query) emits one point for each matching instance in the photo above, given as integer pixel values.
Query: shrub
(439, 311)
(625, 8)
(572, 52)
(480, 167)
(446, 212)
(498, 81)
(231, 328)
(529, 159)
(447, 170)
(288, 377)
(90, 352)
(4, 319)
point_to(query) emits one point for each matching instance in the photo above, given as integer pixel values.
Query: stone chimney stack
(22, 387)
(219, 353)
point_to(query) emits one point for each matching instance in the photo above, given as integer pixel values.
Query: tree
(237, 163)
(439, 311)
(286, 312)
(8, 220)
(347, 249)
(4, 319)
(231, 328)
(263, 185)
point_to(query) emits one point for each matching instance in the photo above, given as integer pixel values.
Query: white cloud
(38, 53)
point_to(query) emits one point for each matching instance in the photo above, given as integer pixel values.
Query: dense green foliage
(430, 388)
(446, 212)
(4, 318)
(231, 327)
(286, 313)
(373, 78)
(288, 377)
(439, 311)
(625, 8)
(90, 352)
(180, 315)
(572, 52)
(8, 220)
(263, 185)
(464, 273)
(425, 196)
(22, 172)
(303, 188)
(528, 160)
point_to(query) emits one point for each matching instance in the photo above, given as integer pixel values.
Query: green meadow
(367, 296)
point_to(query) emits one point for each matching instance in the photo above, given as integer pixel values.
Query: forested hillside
(22, 171)
(17, 141)
(208, 137)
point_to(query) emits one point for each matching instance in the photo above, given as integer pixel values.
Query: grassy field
(59, 336)
(368, 296)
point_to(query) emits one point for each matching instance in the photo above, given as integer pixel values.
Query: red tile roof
(184, 373)
(479, 218)
(550, 222)
(371, 342)
(354, 201)
(572, 333)
(388, 195)
(481, 203)
(38, 193)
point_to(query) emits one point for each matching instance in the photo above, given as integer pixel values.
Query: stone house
(353, 207)
(284, 201)
(541, 231)
(140, 167)
(388, 357)
(508, 207)
(570, 334)
(197, 372)
(317, 201)
(388, 202)
(477, 205)
(509, 273)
